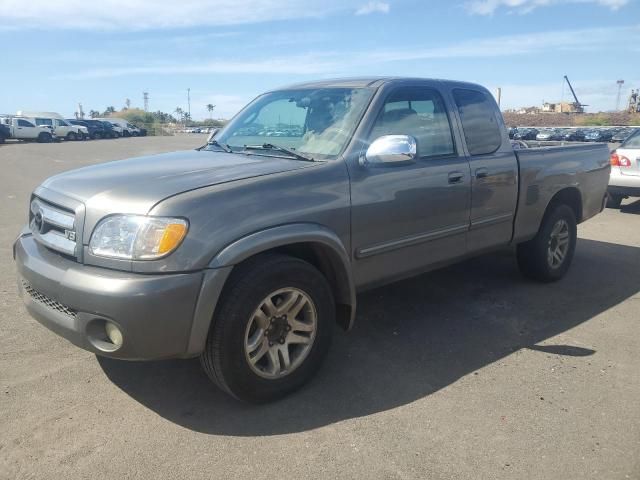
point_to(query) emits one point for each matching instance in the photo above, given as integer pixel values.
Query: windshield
(317, 123)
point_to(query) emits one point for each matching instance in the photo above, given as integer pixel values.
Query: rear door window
(24, 123)
(481, 128)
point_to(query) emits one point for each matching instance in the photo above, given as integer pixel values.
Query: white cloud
(489, 7)
(153, 14)
(296, 64)
(356, 62)
(373, 7)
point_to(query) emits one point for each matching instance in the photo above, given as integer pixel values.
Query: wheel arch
(569, 196)
(313, 243)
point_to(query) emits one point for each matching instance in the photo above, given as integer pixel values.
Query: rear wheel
(548, 255)
(271, 330)
(614, 201)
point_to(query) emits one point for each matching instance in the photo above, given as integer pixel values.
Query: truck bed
(544, 170)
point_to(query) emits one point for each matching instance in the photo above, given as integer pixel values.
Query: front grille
(42, 299)
(53, 226)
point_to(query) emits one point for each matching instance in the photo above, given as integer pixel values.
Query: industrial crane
(578, 107)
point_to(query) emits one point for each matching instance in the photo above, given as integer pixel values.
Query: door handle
(482, 173)
(456, 177)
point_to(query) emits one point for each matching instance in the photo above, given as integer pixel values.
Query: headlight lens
(137, 237)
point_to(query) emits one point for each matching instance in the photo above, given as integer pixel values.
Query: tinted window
(479, 123)
(44, 121)
(421, 113)
(24, 123)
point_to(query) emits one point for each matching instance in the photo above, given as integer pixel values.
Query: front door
(25, 129)
(410, 216)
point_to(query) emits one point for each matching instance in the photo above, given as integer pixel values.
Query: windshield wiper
(223, 146)
(278, 148)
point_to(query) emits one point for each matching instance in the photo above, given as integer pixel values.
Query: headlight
(137, 237)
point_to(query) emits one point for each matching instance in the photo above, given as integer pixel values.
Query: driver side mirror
(390, 150)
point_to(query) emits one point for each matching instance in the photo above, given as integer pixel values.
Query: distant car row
(197, 130)
(610, 135)
(50, 126)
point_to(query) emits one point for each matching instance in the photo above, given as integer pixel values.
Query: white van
(61, 127)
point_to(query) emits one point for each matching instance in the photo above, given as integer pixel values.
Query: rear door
(494, 169)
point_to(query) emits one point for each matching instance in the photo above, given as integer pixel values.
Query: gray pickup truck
(247, 251)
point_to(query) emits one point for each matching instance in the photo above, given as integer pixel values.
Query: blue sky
(56, 54)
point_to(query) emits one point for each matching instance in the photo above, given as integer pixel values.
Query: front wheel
(548, 255)
(271, 330)
(71, 136)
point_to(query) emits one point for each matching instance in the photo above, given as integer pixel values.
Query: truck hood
(135, 185)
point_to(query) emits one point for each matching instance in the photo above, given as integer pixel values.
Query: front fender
(299, 233)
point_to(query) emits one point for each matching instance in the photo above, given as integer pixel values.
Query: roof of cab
(371, 82)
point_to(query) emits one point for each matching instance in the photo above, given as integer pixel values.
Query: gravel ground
(469, 372)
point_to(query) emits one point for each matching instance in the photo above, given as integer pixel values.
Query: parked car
(526, 134)
(574, 136)
(5, 132)
(598, 135)
(245, 253)
(95, 129)
(115, 127)
(109, 130)
(623, 134)
(24, 128)
(625, 171)
(119, 125)
(512, 131)
(61, 128)
(545, 135)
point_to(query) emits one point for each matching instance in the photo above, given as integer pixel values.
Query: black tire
(614, 201)
(126, 133)
(71, 136)
(533, 255)
(44, 137)
(2, 139)
(224, 358)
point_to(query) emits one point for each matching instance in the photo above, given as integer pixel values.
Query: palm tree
(109, 111)
(180, 113)
(94, 113)
(210, 108)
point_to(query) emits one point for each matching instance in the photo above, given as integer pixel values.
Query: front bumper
(160, 316)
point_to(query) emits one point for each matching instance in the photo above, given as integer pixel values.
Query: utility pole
(498, 95)
(189, 102)
(145, 96)
(620, 83)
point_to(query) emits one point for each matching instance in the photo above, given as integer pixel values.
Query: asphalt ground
(470, 372)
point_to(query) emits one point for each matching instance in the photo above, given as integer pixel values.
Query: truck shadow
(411, 339)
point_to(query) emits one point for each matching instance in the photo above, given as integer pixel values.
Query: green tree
(210, 108)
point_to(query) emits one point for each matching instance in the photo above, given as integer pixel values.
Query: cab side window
(421, 113)
(481, 128)
(44, 121)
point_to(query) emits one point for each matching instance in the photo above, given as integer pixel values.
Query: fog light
(114, 334)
